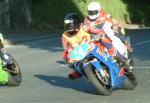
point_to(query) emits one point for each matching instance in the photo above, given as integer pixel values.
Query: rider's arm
(109, 32)
(86, 25)
(96, 31)
(65, 46)
(89, 29)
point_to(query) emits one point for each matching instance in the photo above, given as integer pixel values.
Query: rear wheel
(99, 81)
(130, 81)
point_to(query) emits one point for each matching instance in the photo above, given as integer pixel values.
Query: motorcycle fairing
(116, 81)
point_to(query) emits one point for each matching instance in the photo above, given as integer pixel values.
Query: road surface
(45, 77)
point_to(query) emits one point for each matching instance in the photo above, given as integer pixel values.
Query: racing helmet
(71, 23)
(93, 10)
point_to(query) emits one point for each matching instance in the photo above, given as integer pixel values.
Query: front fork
(94, 62)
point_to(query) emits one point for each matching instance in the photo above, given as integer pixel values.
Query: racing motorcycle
(100, 69)
(10, 72)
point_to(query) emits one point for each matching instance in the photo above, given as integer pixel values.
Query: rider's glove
(97, 37)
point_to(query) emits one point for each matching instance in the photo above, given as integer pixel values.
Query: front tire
(94, 79)
(14, 79)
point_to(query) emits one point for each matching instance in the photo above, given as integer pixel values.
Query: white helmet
(93, 10)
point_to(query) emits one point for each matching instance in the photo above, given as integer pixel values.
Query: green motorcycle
(10, 72)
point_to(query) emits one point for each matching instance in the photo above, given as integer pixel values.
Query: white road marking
(142, 67)
(144, 42)
(62, 65)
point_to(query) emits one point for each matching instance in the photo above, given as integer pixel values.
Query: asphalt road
(45, 77)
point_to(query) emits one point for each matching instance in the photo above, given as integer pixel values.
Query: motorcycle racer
(72, 37)
(98, 22)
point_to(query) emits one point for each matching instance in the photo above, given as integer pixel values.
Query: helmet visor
(69, 27)
(93, 12)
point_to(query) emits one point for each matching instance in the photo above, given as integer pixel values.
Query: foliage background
(48, 14)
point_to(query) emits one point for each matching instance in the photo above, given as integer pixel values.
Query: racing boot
(127, 65)
(74, 75)
(129, 48)
(124, 62)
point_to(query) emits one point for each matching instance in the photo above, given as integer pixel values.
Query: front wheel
(14, 78)
(101, 85)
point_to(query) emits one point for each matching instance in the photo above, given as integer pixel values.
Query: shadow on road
(43, 40)
(61, 62)
(79, 84)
